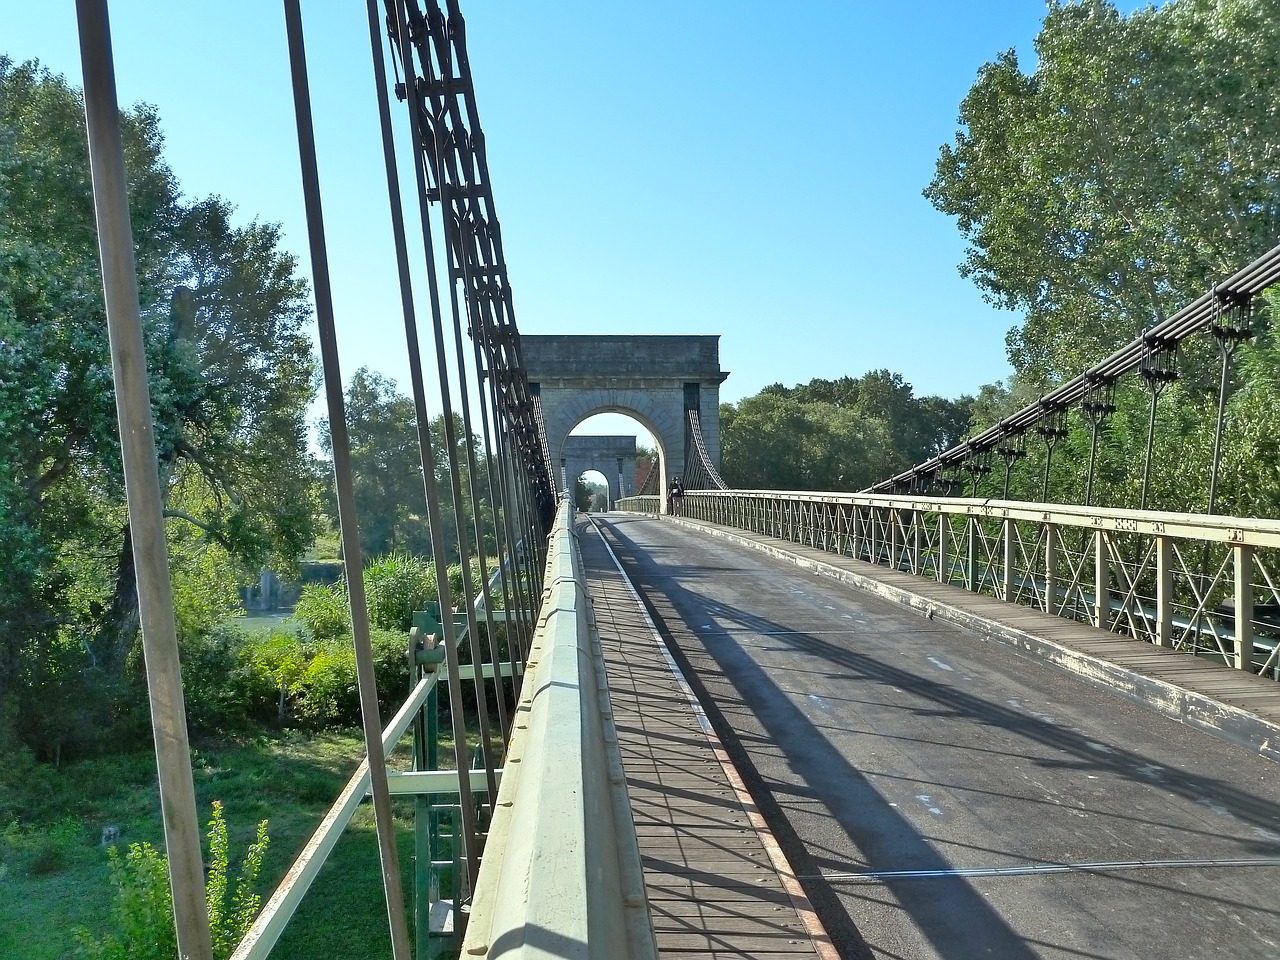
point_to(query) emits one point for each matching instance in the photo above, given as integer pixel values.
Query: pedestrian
(675, 496)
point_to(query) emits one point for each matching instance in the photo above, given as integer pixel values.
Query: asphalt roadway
(942, 796)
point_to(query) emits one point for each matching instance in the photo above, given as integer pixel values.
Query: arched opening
(619, 445)
(591, 492)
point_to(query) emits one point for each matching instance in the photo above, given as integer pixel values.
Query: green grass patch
(54, 875)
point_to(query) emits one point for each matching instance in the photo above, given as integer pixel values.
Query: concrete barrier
(561, 874)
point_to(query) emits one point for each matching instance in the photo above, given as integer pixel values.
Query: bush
(324, 610)
(326, 693)
(455, 583)
(395, 586)
(144, 908)
(282, 658)
(224, 690)
(390, 668)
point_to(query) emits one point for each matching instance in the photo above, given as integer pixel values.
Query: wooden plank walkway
(1238, 706)
(714, 888)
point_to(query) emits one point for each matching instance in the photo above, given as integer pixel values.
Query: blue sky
(746, 169)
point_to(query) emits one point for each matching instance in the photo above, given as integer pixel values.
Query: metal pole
(1217, 433)
(384, 827)
(1151, 437)
(142, 484)
(1093, 459)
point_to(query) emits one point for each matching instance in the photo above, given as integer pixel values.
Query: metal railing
(562, 864)
(1207, 585)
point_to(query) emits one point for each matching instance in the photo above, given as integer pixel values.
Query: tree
(1133, 168)
(231, 374)
(387, 466)
(878, 412)
(775, 442)
(581, 495)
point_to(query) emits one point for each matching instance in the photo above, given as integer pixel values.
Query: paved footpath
(711, 869)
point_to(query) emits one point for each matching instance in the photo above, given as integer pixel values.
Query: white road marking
(942, 666)
(929, 804)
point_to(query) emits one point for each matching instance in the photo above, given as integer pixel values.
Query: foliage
(231, 374)
(323, 609)
(395, 586)
(231, 907)
(290, 777)
(227, 687)
(144, 908)
(386, 461)
(835, 434)
(581, 495)
(1133, 168)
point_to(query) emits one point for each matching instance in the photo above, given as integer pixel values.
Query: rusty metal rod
(142, 483)
(383, 824)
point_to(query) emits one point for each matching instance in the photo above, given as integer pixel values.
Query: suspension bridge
(923, 720)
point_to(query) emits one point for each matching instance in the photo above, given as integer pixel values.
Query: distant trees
(842, 434)
(387, 465)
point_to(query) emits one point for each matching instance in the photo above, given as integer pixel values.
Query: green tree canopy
(1134, 167)
(877, 423)
(231, 376)
(387, 465)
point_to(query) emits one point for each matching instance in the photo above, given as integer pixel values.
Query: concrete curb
(1198, 710)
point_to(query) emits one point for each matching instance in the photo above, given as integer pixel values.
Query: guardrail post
(944, 527)
(1101, 581)
(1244, 606)
(1050, 566)
(1009, 554)
(1164, 591)
(917, 562)
(894, 533)
(971, 553)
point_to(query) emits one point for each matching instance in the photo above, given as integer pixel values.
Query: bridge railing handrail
(1189, 581)
(1255, 531)
(562, 872)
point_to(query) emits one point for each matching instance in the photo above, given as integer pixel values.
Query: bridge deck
(1236, 705)
(713, 888)
(938, 797)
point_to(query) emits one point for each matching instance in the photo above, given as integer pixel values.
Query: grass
(53, 869)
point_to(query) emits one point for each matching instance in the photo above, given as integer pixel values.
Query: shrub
(390, 668)
(282, 659)
(324, 610)
(144, 908)
(396, 585)
(326, 692)
(223, 690)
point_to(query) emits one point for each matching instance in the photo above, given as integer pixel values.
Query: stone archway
(655, 379)
(613, 457)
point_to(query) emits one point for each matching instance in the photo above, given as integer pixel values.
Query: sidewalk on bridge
(1239, 707)
(714, 886)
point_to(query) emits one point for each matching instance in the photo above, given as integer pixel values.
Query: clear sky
(728, 167)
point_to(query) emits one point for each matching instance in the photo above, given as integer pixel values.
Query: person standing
(675, 496)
